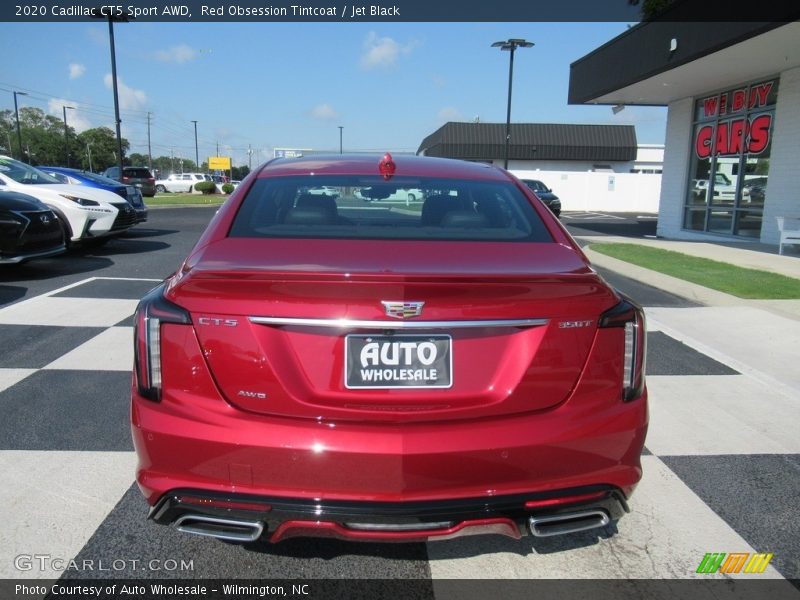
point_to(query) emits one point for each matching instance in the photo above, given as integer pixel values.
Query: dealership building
(732, 147)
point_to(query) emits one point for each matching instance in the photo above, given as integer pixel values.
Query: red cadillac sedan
(336, 360)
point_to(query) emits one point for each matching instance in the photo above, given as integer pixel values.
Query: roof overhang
(638, 67)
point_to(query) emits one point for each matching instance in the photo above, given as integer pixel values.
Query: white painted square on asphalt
(111, 350)
(665, 536)
(68, 312)
(9, 377)
(720, 414)
(58, 500)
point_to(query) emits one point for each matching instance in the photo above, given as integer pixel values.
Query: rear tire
(160, 189)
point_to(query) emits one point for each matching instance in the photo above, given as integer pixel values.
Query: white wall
(563, 165)
(783, 189)
(588, 191)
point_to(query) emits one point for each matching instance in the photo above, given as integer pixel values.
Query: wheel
(412, 198)
(161, 189)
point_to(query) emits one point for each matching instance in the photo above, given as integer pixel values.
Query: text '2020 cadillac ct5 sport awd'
(322, 366)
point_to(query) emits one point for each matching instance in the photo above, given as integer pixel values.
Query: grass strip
(724, 277)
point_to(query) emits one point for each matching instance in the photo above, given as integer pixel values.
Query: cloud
(438, 80)
(76, 70)
(382, 52)
(176, 54)
(450, 113)
(75, 118)
(129, 98)
(98, 35)
(324, 112)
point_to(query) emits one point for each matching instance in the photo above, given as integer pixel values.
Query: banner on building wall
(743, 131)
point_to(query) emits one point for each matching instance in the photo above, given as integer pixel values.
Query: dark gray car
(141, 177)
(545, 194)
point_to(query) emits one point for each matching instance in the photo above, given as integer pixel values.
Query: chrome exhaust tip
(232, 530)
(567, 523)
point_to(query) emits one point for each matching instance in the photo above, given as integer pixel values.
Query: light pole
(196, 153)
(117, 120)
(340, 138)
(510, 45)
(66, 133)
(16, 114)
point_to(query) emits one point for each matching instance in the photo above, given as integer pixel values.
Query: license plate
(398, 361)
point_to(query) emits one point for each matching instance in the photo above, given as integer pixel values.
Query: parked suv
(180, 182)
(141, 177)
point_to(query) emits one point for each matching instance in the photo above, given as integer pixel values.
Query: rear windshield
(353, 207)
(138, 173)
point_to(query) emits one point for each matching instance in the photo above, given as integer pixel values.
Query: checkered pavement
(721, 468)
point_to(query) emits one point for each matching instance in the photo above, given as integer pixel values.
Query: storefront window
(730, 164)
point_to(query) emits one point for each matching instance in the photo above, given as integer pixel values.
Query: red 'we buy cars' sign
(748, 133)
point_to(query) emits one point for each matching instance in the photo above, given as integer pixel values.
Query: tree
(651, 8)
(42, 136)
(102, 143)
(240, 173)
(136, 160)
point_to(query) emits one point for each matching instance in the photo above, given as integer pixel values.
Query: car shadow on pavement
(10, 293)
(328, 549)
(65, 264)
(140, 232)
(120, 246)
(468, 547)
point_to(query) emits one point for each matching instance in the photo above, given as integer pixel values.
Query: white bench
(789, 228)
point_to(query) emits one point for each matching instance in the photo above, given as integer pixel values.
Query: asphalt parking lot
(721, 475)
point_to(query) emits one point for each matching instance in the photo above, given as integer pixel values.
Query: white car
(87, 214)
(406, 195)
(180, 182)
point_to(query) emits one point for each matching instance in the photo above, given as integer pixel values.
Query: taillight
(153, 310)
(630, 316)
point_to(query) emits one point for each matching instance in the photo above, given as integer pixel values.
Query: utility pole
(217, 147)
(172, 160)
(249, 158)
(196, 153)
(117, 120)
(341, 127)
(16, 114)
(89, 152)
(149, 150)
(66, 134)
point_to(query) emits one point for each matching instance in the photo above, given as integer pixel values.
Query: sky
(291, 85)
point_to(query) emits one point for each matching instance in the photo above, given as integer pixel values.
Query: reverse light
(81, 201)
(630, 316)
(152, 311)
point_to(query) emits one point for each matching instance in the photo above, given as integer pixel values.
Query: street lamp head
(513, 44)
(20, 93)
(69, 107)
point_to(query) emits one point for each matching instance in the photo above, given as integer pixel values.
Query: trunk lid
(512, 326)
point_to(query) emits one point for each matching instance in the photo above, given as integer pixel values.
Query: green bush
(227, 188)
(207, 187)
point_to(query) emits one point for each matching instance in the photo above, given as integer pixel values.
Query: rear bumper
(193, 442)
(243, 517)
